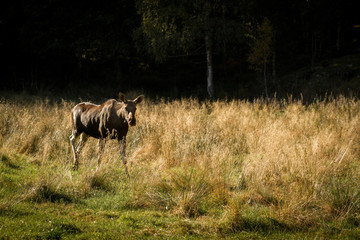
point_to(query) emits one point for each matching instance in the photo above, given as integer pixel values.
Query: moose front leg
(101, 150)
(81, 143)
(76, 149)
(73, 137)
(122, 143)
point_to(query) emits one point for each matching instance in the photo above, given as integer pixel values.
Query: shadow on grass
(44, 193)
(7, 161)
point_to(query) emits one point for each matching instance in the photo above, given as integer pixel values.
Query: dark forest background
(252, 48)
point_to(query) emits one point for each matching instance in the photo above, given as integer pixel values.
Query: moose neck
(120, 111)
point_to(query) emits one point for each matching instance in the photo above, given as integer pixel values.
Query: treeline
(174, 48)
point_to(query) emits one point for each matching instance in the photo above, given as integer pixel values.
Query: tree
(262, 49)
(181, 28)
(49, 39)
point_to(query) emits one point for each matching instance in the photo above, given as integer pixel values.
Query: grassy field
(222, 169)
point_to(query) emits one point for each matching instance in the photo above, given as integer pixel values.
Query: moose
(110, 120)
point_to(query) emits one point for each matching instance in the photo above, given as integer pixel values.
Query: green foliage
(167, 27)
(59, 46)
(178, 28)
(262, 47)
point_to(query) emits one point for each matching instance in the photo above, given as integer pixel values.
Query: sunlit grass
(207, 168)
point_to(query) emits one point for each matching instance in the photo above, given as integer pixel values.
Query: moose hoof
(75, 167)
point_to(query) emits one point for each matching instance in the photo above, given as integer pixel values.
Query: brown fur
(109, 120)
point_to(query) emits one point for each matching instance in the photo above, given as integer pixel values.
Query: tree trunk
(208, 46)
(274, 68)
(209, 63)
(265, 82)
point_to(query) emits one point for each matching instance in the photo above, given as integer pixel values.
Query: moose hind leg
(123, 155)
(72, 141)
(101, 150)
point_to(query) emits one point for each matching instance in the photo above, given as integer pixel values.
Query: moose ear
(138, 99)
(122, 97)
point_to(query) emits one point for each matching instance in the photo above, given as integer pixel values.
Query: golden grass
(194, 159)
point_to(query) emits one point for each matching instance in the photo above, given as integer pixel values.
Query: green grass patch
(228, 170)
(47, 212)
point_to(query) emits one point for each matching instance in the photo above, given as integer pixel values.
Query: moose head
(129, 109)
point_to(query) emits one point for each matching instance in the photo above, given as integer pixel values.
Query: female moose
(108, 120)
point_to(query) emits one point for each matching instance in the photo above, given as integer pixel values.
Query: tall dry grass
(300, 163)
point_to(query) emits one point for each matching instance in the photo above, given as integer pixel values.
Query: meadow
(216, 169)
